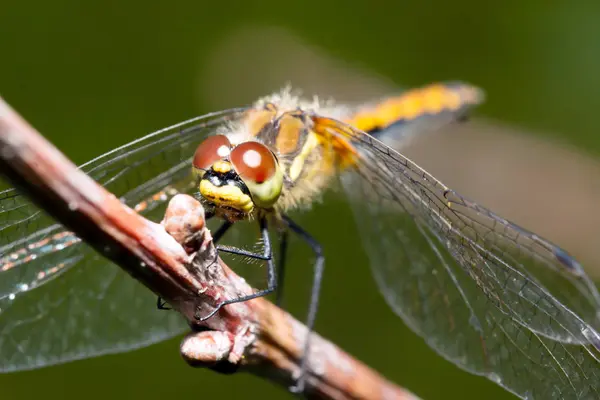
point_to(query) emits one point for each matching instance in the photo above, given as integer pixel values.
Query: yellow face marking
(226, 196)
(221, 166)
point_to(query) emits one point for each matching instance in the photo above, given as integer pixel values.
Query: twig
(178, 261)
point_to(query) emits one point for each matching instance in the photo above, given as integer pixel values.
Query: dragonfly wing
(481, 291)
(91, 306)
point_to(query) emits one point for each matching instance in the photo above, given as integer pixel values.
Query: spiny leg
(283, 242)
(216, 236)
(242, 252)
(271, 275)
(314, 297)
(231, 249)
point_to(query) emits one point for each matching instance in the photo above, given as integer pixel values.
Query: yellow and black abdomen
(416, 110)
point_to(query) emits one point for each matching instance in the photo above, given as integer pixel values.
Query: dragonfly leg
(271, 275)
(283, 242)
(216, 236)
(241, 252)
(314, 297)
(234, 250)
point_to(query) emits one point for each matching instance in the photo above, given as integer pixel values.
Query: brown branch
(176, 260)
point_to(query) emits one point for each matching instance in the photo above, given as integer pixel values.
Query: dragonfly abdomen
(429, 105)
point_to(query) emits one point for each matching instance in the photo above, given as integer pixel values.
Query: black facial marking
(230, 178)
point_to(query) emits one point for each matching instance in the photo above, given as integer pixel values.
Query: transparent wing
(491, 297)
(59, 299)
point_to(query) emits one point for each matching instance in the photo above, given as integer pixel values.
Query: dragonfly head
(237, 179)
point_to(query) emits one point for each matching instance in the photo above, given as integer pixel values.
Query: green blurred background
(94, 75)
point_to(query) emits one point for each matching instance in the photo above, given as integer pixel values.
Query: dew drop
(23, 287)
(495, 378)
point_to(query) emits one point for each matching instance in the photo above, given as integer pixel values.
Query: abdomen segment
(428, 107)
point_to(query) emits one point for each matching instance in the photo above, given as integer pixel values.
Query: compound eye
(211, 150)
(253, 162)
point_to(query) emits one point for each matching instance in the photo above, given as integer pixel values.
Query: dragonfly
(491, 297)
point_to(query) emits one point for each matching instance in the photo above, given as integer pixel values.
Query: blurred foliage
(93, 75)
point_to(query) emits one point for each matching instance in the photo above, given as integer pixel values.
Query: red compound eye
(211, 150)
(253, 161)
